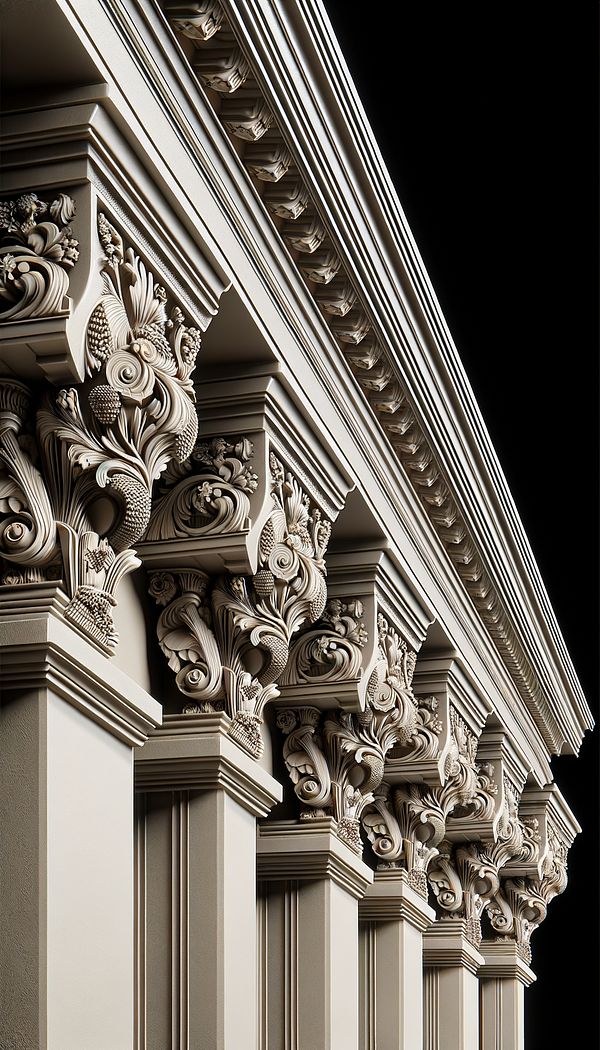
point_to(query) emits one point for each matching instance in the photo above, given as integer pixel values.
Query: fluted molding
(111, 436)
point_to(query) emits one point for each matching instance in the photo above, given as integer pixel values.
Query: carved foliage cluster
(332, 650)
(465, 877)
(113, 435)
(37, 250)
(251, 620)
(406, 825)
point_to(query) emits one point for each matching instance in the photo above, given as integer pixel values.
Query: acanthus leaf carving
(332, 650)
(520, 904)
(37, 250)
(354, 746)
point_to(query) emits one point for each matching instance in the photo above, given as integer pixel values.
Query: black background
(486, 115)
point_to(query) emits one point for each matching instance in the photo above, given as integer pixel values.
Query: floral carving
(113, 435)
(353, 747)
(406, 825)
(37, 250)
(207, 493)
(390, 683)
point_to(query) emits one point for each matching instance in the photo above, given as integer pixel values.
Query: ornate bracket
(112, 436)
(247, 623)
(519, 905)
(352, 747)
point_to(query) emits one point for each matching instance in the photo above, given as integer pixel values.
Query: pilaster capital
(102, 442)
(41, 649)
(502, 960)
(446, 943)
(519, 905)
(307, 850)
(391, 896)
(198, 754)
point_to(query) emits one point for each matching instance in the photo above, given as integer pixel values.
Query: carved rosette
(113, 435)
(37, 250)
(254, 618)
(208, 494)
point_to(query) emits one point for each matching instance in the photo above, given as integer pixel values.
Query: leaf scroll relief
(37, 251)
(113, 435)
(253, 618)
(332, 650)
(520, 905)
(208, 493)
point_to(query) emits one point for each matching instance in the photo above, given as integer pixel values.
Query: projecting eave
(393, 336)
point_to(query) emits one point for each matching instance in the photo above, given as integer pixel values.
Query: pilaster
(502, 982)
(311, 885)
(199, 797)
(451, 993)
(69, 722)
(393, 918)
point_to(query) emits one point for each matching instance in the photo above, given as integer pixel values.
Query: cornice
(308, 850)
(196, 753)
(38, 648)
(431, 419)
(183, 144)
